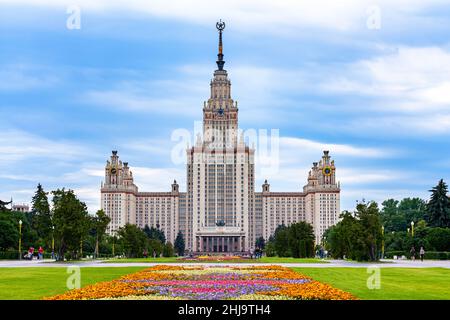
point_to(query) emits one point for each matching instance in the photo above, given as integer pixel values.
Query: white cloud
(18, 145)
(401, 126)
(160, 96)
(21, 77)
(288, 16)
(127, 101)
(309, 146)
(366, 176)
(90, 196)
(406, 80)
(157, 179)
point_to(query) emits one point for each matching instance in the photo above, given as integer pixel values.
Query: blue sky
(378, 99)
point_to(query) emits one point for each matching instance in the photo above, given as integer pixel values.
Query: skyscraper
(220, 212)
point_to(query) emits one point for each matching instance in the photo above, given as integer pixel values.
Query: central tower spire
(220, 26)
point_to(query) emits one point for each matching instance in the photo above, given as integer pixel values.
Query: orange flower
(142, 282)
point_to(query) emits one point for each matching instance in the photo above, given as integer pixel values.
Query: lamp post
(382, 242)
(113, 246)
(53, 242)
(20, 239)
(412, 228)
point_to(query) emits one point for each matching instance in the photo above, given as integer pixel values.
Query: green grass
(36, 283)
(396, 283)
(289, 260)
(176, 260)
(139, 260)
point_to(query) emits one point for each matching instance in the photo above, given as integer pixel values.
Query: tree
(438, 208)
(99, 224)
(42, 218)
(357, 236)
(155, 233)
(3, 205)
(270, 249)
(155, 247)
(9, 234)
(260, 243)
(369, 218)
(301, 240)
(398, 215)
(413, 209)
(281, 243)
(345, 239)
(133, 240)
(179, 244)
(71, 220)
(439, 239)
(168, 250)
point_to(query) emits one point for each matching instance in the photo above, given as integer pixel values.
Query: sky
(367, 80)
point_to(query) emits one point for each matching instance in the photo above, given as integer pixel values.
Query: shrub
(437, 255)
(270, 249)
(430, 255)
(391, 254)
(168, 250)
(9, 255)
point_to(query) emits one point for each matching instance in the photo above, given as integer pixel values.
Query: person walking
(422, 253)
(30, 253)
(413, 253)
(40, 253)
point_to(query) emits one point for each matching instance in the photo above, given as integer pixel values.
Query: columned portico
(209, 244)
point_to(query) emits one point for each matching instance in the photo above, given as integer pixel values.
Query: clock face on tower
(327, 171)
(220, 112)
(113, 171)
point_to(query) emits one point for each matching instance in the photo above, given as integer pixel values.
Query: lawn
(176, 260)
(396, 283)
(35, 283)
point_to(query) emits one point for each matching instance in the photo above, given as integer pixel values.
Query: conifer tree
(438, 208)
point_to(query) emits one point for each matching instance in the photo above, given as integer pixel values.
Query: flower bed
(210, 283)
(218, 258)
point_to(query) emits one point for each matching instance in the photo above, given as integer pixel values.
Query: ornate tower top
(220, 26)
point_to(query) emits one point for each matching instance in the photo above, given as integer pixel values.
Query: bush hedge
(430, 255)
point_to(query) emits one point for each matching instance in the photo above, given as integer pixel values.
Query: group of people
(30, 254)
(145, 253)
(257, 253)
(321, 253)
(413, 253)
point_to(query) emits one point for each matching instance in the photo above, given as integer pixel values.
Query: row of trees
(67, 227)
(411, 222)
(296, 240)
(398, 215)
(358, 236)
(136, 242)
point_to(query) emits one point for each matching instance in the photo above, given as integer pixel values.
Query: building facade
(220, 210)
(21, 208)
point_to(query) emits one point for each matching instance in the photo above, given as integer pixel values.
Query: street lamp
(382, 242)
(53, 242)
(114, 238)
(20, 239)
(412, 228)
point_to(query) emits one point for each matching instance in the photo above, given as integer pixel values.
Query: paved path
(331, 264)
